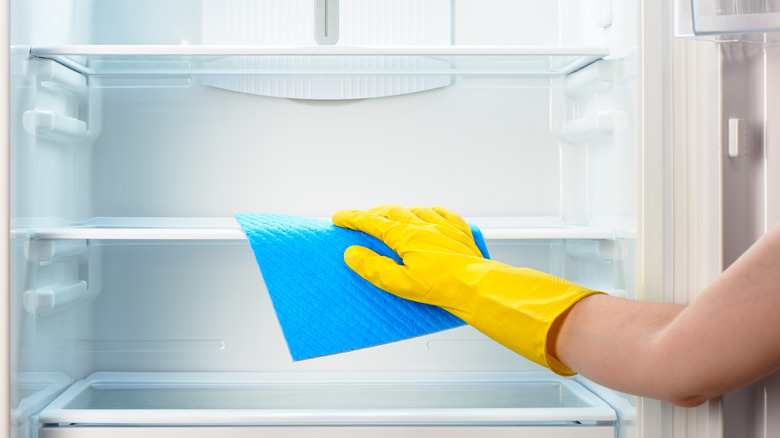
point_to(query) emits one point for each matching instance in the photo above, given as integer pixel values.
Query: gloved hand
(442, 266)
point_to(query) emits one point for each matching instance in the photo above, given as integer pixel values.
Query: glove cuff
(518, 308)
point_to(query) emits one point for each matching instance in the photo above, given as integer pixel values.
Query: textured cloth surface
(323, 306)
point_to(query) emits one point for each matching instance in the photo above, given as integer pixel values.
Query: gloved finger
(380, 227)
(382, 272)
(431, 216)
(397, 213)
(345, 218)
(454, 231)
(454, 219)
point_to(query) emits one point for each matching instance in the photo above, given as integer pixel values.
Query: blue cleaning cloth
(322, 305)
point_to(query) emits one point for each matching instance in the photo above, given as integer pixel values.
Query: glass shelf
(333, 398)
(226, 228)
(161, 60)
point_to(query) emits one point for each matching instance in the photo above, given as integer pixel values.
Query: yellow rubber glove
(442, 266)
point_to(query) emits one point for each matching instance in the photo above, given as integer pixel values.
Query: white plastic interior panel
(358, 23)
(333, 22)
(337, 399)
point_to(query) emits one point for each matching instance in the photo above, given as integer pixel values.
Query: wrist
(523, 310)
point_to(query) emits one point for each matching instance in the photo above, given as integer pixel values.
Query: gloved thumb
(383, 272)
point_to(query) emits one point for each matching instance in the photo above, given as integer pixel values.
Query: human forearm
(730, 335)
(727, 338)
(612, 341)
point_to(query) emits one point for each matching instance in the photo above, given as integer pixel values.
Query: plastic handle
(326, 22)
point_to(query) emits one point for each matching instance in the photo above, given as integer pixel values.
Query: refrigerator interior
(138, 128)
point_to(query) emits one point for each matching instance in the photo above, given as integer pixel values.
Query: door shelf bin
(714, 18)
(328, 399)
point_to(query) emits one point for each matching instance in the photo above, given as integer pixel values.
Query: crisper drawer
(328, 404)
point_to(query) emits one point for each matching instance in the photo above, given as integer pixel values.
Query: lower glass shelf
(327, 399)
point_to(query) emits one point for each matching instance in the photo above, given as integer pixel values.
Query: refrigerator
(626, 145)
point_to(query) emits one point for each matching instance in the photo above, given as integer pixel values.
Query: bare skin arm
(727, 338)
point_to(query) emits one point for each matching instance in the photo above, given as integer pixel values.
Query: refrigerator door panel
(751, 200)
(736, 123)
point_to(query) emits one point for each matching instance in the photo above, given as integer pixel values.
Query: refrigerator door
(751, 196)
(734, 133)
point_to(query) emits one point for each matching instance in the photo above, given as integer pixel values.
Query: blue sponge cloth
(322, 305)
